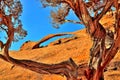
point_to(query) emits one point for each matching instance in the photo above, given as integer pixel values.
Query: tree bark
(67, 68)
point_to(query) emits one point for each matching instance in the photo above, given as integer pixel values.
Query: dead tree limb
(67, 68)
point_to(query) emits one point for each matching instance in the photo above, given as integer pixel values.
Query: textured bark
(67, 68)
(95, 30)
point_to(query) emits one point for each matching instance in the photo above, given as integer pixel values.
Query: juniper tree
(10, 11)
(89, 13)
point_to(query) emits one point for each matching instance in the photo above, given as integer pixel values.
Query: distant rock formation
(28, 45)
(107, 21)
(62, 40)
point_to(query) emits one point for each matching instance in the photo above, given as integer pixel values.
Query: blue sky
(36, 20)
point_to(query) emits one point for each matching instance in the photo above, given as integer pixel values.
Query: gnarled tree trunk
(95, 30)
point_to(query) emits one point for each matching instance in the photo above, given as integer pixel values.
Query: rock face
(62, 41)
(27, 45)
(108, 21)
